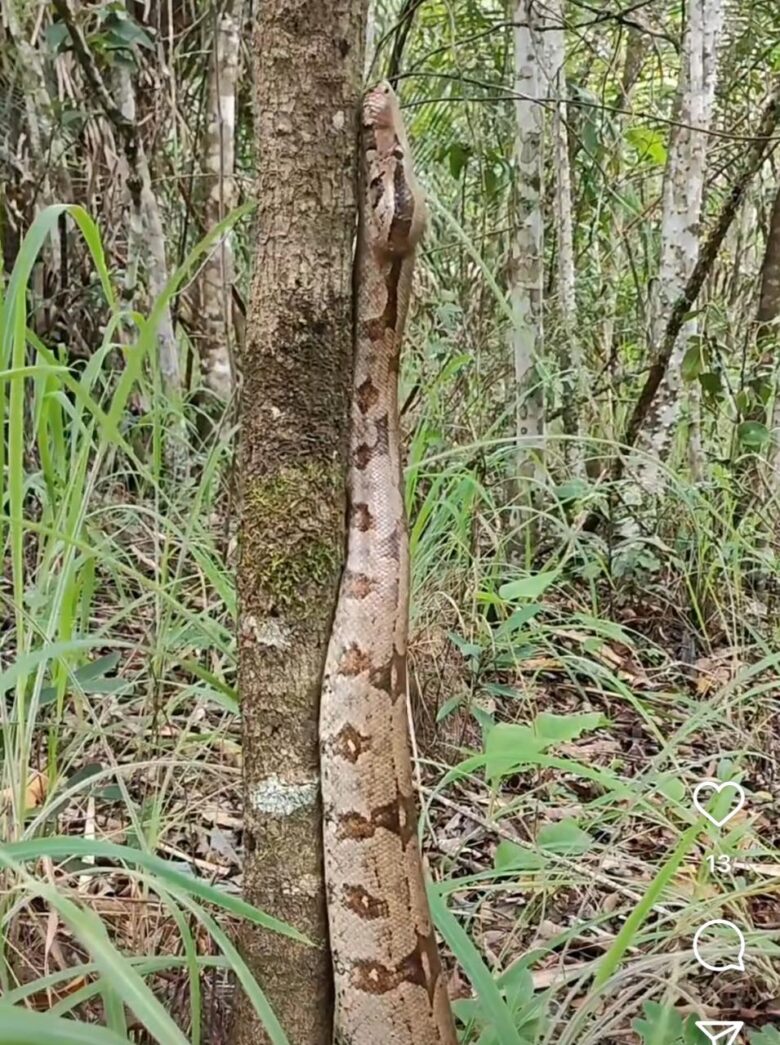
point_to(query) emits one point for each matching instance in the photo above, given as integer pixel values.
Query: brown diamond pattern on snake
(354, 660)
(350, 743)
(358, 585)
(381, 677)
(362, 517)
(366, 395)
(364, 453)
(399, 817)
(363, 904)
(375, 978)
(362, 456)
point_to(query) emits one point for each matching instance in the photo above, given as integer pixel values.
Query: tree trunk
(296, 379)
(528, 245)
(767, 335)
(683, 192)
(214, 338)
(769, 296)
(571, 353)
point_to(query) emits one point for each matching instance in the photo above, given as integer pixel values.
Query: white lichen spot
(268, 633)
(339, 120)
(279, 797)
(309, 885)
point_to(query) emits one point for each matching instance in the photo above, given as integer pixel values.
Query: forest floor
(561, 727)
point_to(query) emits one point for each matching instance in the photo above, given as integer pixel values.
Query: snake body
(389, 984)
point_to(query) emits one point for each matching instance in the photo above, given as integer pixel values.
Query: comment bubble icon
(705, 791)
(720, 1032)
(725, 951)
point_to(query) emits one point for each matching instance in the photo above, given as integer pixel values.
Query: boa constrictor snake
(390, 988)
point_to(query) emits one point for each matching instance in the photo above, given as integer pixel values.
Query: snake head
(394, 206)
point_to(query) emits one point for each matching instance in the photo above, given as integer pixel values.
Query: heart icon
(715, 787)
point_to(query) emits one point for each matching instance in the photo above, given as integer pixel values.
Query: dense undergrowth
(581, 684)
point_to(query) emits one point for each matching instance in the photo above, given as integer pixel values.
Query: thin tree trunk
(768, 329)
(571, 355)
(613, 256)
(214, 291)
(769, 295)
(528, 245)
(683, 193)
(295, 395)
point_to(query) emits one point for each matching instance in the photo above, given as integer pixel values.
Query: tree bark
(767, 336)
(528, 245)
(683, 193)
(769, 296)
(296, 379)
(214, 338)
(571, 360)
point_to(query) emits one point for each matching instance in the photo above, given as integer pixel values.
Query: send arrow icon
(720, 1032)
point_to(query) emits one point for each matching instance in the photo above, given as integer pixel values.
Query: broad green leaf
(765, 1036)
(712, 383)
(566, 838)
(562, 729)
(661, 1025)
(648, 142)
(508, 746)
(530, 587)
(753, 434)
(673, 789)
(694, 360)
(509, 856)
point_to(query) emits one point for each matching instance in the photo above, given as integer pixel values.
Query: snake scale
(390, 988)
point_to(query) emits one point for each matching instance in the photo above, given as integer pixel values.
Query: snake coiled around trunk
(390, 989)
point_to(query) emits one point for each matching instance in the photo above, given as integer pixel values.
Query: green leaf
(448, 707)
(459, 155)
(566, 838)
(124, 32)
(530, 587)
(693, 362)
(117, 971)
(90, 678)
(28, 662)
(712, 383)
(471, 962)
(508, 746)
(766, 1036)
(55, 35)
(673, 789)
(518, 618)
(571, 490)
(61, 848)
(753, 434)
(465, 648)
(20, 1026)
(648, 143)
(509, 856)
(662, 1025)
(562, 729)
